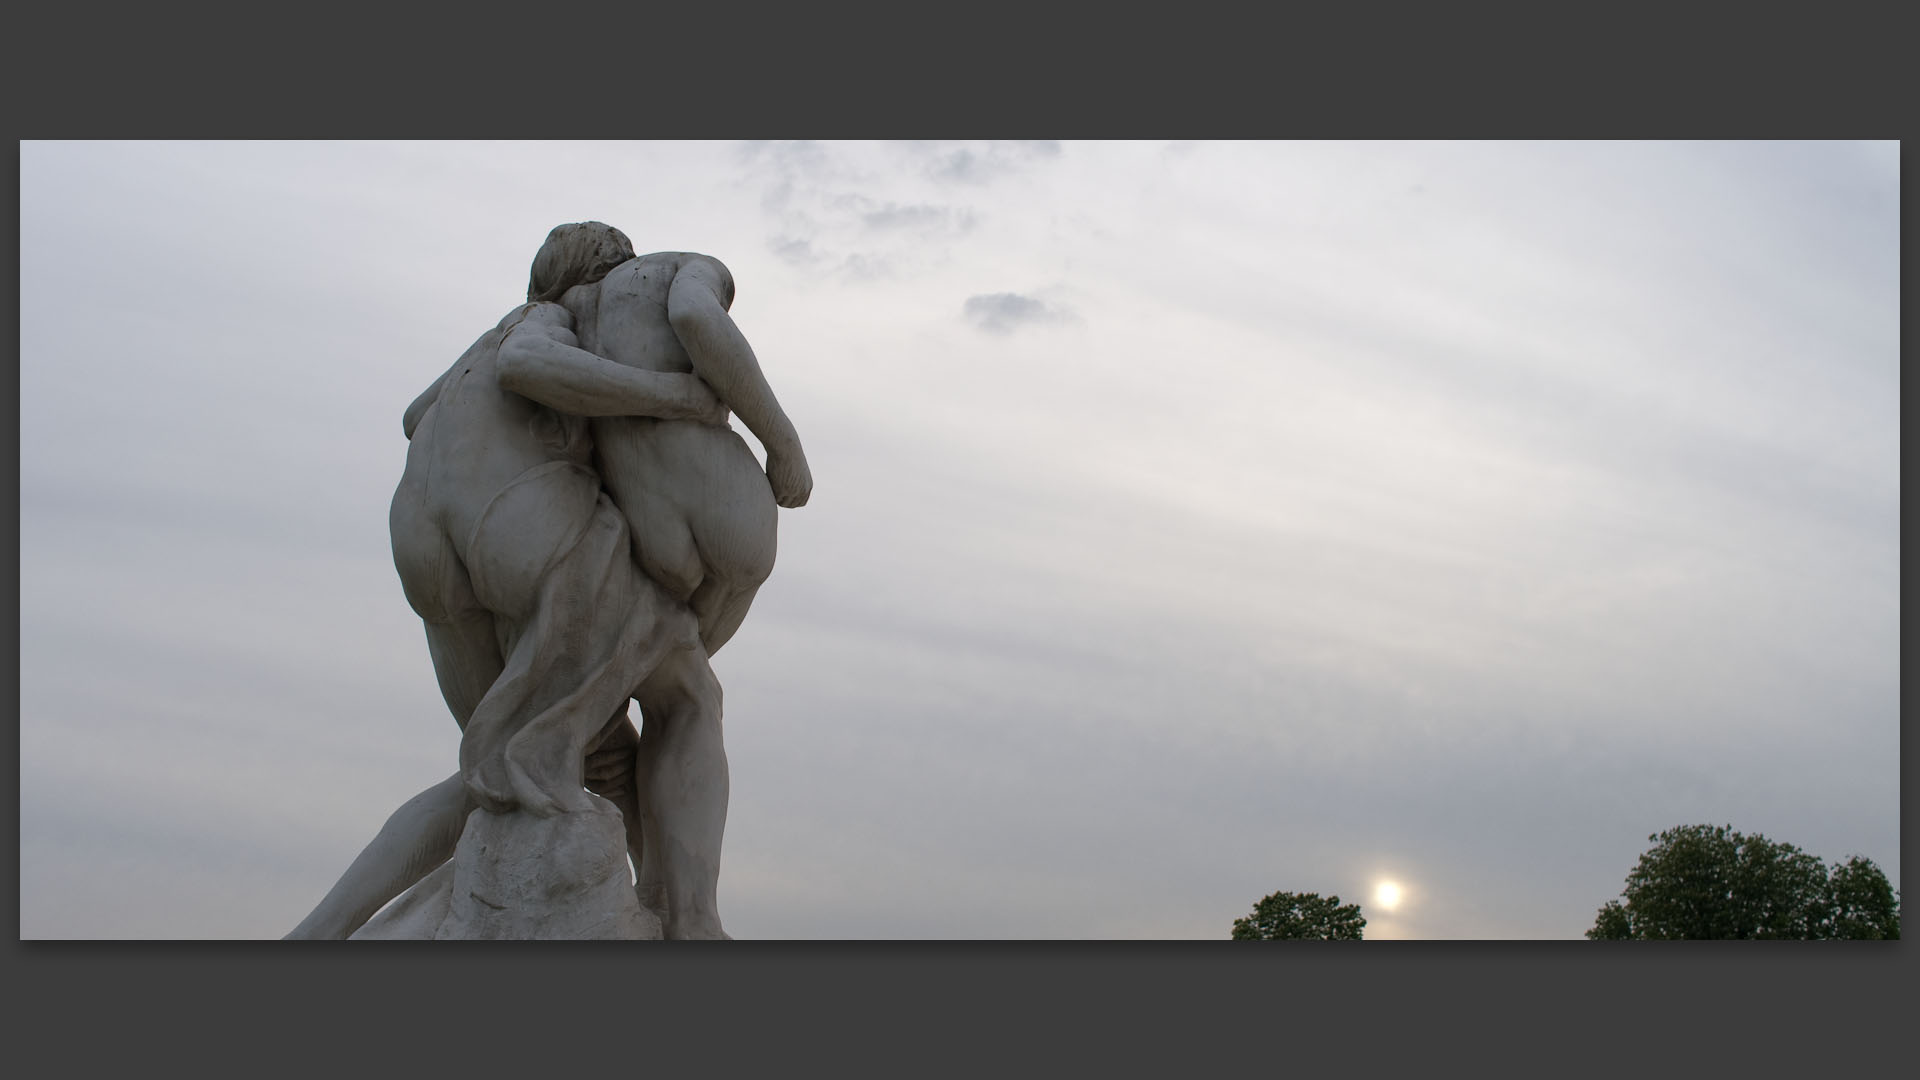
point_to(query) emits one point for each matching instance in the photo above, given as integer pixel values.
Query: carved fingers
(791, 479)
(610, 770)
(703, 404)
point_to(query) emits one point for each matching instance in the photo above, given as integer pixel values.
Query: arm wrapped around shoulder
(541, 359)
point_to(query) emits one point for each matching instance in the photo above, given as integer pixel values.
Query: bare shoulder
(706, 266)
(539, 315)
(695, 268)
(545, 319)
(646, 276)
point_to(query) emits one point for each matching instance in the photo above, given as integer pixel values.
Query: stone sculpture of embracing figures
(578, 526)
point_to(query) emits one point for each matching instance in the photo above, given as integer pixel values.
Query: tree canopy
(1288, 916)
(1708, 881)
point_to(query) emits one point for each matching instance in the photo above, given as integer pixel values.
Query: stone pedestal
(516, 876)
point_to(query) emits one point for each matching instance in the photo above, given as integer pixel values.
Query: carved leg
(721, 606)
(649, 878)
(613, 774)
(421, 834)
(417, 838)
(683, 764)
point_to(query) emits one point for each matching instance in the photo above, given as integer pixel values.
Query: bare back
(624, 316)
(477, 442)
(699, 504)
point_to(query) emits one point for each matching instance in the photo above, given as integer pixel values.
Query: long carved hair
(576, 254)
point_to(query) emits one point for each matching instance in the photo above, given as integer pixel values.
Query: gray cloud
(864, 267)
(790, 160)
(986, 163)
(795, 251)
(920, 218)
(825, 215)
(1003, 313)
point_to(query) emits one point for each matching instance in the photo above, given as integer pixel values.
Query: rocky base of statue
(518, 877)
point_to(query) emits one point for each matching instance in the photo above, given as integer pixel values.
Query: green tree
(1287, 916)
(1707, 881)
(1863, 902)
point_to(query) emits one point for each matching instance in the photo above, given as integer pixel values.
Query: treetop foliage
(1708, 881)
(1288, 916)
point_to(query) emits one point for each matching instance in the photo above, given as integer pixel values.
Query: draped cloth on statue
(596, 627)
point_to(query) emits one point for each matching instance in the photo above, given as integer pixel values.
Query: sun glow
(1387, 894)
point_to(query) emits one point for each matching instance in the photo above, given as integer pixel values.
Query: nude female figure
(702, 512)
(701, 509)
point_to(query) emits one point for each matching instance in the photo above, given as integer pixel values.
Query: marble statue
(578, 526)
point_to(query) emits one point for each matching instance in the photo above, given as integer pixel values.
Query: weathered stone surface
(587, 427)
(518, 876)
(417, 914)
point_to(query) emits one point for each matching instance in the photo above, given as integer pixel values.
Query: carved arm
(541, 359)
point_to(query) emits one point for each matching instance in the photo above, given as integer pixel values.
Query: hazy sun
(1387, 894)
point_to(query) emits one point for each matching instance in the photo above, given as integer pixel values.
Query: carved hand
(703, 404)
(610, 766)
(791, 479)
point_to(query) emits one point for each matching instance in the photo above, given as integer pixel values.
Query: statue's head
(576, 254)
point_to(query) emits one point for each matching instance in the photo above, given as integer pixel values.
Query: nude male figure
(540, 624)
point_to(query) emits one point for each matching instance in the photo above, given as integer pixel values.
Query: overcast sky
(1190, 521)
